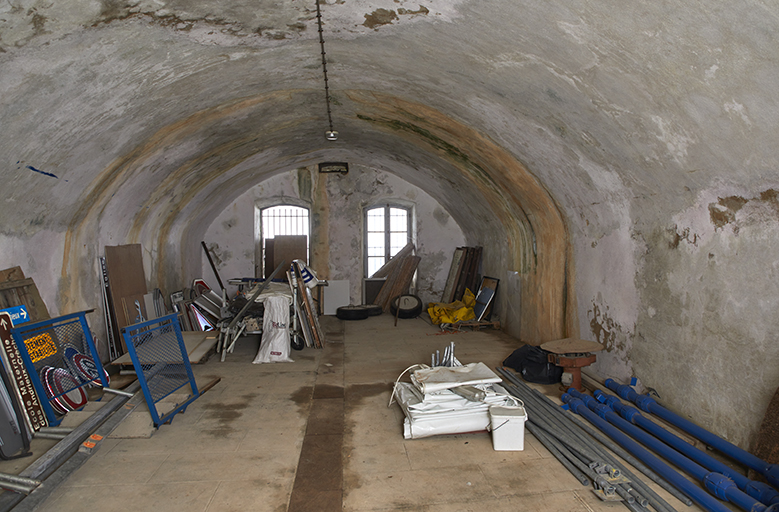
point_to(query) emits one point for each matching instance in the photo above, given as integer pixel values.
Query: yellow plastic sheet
(457, 311)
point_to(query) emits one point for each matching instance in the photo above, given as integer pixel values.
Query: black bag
(532, 363)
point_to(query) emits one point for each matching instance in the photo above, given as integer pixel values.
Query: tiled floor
(238, 447)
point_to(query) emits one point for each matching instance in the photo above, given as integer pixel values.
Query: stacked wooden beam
(464, 273)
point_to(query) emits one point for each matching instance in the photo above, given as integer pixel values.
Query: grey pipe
(543, 400)
(553, 449)
(657, 502)
(29, 482)
(15, 487)
(542, 403)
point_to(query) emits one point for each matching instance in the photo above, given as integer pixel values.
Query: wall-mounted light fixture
(329, 134)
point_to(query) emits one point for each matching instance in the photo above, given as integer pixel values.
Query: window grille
(284, 220)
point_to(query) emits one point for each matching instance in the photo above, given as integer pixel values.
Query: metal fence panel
(161, 363)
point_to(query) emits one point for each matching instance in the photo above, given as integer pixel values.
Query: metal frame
(143, 332)
(25, 331)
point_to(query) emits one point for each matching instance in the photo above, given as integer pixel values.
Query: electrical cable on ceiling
(330, 134)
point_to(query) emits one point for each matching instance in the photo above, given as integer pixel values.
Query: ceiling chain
(331, 134)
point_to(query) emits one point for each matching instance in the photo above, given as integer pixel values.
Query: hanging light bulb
(331, 135)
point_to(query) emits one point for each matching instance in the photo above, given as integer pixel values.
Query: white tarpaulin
(274, 347)
(445, 412)
(438, 378)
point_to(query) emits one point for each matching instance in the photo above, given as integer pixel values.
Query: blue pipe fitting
(718, 485)
(762, 492)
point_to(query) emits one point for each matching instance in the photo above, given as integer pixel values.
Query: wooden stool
(572, 355)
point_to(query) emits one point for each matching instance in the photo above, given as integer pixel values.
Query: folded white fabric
(438, 378)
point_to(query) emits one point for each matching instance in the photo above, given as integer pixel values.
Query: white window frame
(389, 251)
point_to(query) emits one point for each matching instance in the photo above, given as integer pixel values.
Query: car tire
(406, 306)
(373, 309)
(351, 313)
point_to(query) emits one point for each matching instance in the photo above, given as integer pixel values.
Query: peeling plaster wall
(687, 303)
(710, 291)
(437, 234)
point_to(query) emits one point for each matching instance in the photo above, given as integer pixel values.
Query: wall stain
(604, 328)
(677, 237)
(380, 17)
(422, 10)
(724, 211)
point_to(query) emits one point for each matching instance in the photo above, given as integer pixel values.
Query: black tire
(297, 342)
(351, 313)
(373, 309)
(410, 306)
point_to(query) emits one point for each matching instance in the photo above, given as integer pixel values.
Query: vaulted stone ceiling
(621, 157)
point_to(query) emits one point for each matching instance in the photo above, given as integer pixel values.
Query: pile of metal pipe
(716, 484)
(762, 492)
(18, 484)
(585, 457)
(447, 360)
(649, 404)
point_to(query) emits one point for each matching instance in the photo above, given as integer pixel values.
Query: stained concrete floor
(317, 435)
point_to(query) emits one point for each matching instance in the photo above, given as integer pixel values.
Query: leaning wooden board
(16, 290)
(126, 278)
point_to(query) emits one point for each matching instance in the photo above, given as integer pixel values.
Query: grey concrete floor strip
(319, 478)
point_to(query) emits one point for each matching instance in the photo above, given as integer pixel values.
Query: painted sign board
(18, 314)
(24, 387)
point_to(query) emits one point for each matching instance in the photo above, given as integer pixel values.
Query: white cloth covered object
(274, 347)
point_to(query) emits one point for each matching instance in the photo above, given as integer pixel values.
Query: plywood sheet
(23, 292)
(126, 278)
(289, 248)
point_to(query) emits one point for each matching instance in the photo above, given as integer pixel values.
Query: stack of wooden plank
(464, 273)
(399, 271)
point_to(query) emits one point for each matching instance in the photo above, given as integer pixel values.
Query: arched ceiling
(128, 120)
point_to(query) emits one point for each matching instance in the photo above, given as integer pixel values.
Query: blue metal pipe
(761, 492)
(648, 404)
(716, 484)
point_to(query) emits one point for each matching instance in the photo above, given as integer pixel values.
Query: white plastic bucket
(507, 423)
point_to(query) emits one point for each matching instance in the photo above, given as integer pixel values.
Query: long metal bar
(213, 267)
(554, 449)
(716, 483)
(31, 482)
(697, 494)
(85, 451)
(649, 404)
(758, 490)
(60, 452)
(590, 438)
(553, 429)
